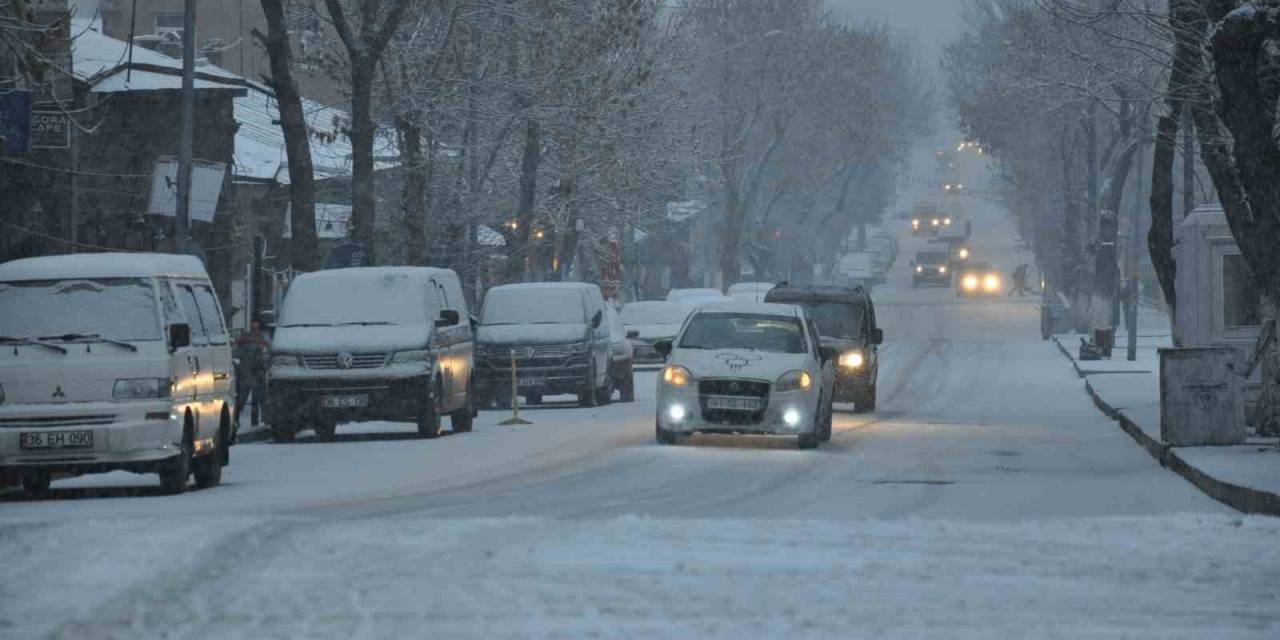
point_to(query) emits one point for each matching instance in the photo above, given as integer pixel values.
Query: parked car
(113, 361)
(371, 343)
(859, 269)
(557, 337)
(652, 321)
(694, 296)
(977, 279)
(846, 321)
(622, 365)
(745, 367)
(930, 267)
(750, 291)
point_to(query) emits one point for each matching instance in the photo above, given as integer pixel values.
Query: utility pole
(1132, 262)
(1188, 163)
(185, 150)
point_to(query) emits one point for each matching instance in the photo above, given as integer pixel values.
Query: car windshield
(931, 257)
(679, 295)
(350, 300)
(533, 305)
(114, 308)
(744, 331)
(836, 319)
(637, 313)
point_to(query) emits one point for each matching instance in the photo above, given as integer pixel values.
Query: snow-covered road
(986, 498)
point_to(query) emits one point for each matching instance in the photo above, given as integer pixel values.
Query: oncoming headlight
(991, 282)
(942, 269)
(851, 360)
(964, 253)
(138, 388)
(406, 357)
(794, 381)
(969, 282)
(676, 376)
(919, 269)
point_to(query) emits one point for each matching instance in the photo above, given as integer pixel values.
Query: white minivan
(113, 361)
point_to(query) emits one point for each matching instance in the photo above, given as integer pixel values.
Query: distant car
(750, 291)
(694, 296)
(859, 268)
(930, 225)
(746, 367)
(930, 267)
(846, 320)
(978, 279)
(650, 321)
(953, 188)
(623, 362)
(555, 335)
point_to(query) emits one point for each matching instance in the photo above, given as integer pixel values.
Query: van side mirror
(179, 336)
(663, 347)
(827, 354)
(597, 319)
(633, 334)
(877, 336)
(448, 318)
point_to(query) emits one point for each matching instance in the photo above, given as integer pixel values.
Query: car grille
(358, 361)
(53, 422)
(732, 388)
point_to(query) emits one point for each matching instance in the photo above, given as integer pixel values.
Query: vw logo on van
(345, 360)
(528, 352)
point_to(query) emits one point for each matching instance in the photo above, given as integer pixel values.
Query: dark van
(846, 320)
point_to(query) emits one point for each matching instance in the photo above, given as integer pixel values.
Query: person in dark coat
(250, 353)
(1019, 281)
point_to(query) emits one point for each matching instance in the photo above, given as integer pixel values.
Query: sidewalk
(1245, 477)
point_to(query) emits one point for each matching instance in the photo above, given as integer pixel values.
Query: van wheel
(326, 430)
(534, 398)
(588, 396)
(36, 483)
(463, 419)
(604, 395)
(283, 432)
(175, 471)
(429, 420)
(807, 441)
(866, 401)
(208, 469)
(629, 387)
(663, 436)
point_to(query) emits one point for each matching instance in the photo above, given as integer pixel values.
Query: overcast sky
(931, 22)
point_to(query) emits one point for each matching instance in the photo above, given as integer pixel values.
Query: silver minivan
(372, 343)
(113, 361)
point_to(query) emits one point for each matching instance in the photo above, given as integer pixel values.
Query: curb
(253, 435)
(1240, 498)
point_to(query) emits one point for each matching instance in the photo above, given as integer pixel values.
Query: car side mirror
(448, 318)
(877, 336)
(663, 347)
(179, 336)
(632, 335)
(596, 319)
(827, 353)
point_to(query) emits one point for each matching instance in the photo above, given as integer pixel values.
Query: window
(210, 317)
(190, 309)
(1241, 300)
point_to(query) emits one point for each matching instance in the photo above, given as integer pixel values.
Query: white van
(371, 343)
(113, 361)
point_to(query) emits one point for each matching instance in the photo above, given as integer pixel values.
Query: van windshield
(113, 308)
(533, 305)
(389, 299)
(836, 319)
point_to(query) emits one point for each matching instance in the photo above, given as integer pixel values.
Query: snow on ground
(1189, 576)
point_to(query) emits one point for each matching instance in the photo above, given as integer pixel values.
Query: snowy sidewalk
(1246, 477)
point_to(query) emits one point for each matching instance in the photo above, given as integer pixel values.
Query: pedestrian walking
(250, 355)
(1019, 281)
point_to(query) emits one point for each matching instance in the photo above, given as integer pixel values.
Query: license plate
(56, 440)
(525, 381)
(735, 404)
(345, 402)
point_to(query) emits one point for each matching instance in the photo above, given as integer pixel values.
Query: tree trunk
(731, 239)
(304, 248)
(518, 253)
(1160, 236)
(362, 133)
(1106, 266)
(415, 188)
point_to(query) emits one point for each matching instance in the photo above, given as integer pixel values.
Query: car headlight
(794, 381)
(942, 269)
(676, 376)
(915, 223)
(935, 222)
(137, 388)
(970, 283)
(579, 347)
(991, 282)
(919, 269)
(946, 221)
(407, 357)
(285, 360)
(851, 359)
(964, 253)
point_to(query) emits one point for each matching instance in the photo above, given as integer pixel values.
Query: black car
(932, 268)
(846, 322)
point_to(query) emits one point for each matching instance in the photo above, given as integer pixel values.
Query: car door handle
(221, 376)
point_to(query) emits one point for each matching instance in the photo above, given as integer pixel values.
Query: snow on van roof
(365, 274)
(758, 308)
(102, 265)
(545, 285)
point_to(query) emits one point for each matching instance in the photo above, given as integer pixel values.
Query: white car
(750, 291)
(651, 321)
(113, 361)
(694, 296)
(745, 367)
